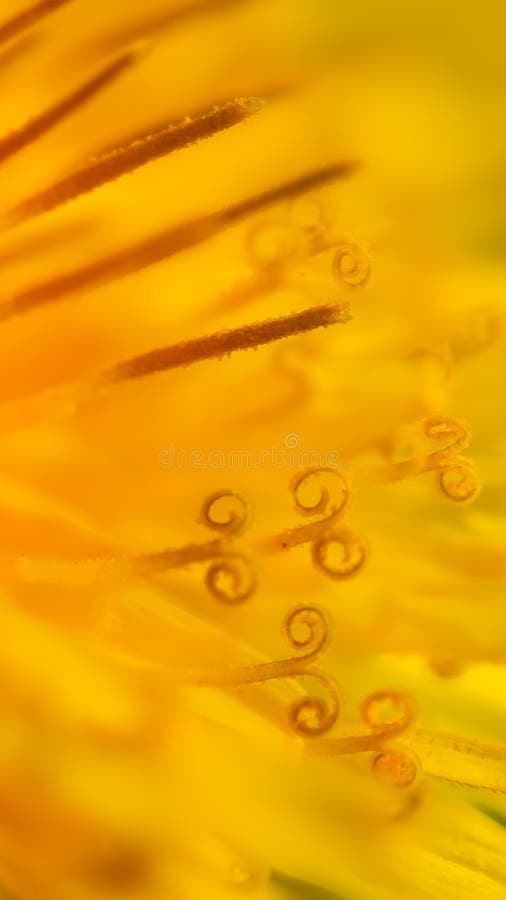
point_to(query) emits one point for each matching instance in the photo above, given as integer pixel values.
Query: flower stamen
(306, 629)
(163, 245)
(125, 159)
(351, 264)
(323, 535)
(220, 344)
(388, 713)
(231, 577)
(28, 17)
(35, 128)
(455, 474)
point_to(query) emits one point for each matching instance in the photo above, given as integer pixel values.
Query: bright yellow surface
(123, 770)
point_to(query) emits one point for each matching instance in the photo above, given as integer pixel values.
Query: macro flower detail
(455, 473)
(268, 235)
(306, 631)
(326, 531)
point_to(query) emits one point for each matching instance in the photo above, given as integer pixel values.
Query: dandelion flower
(252, 618)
